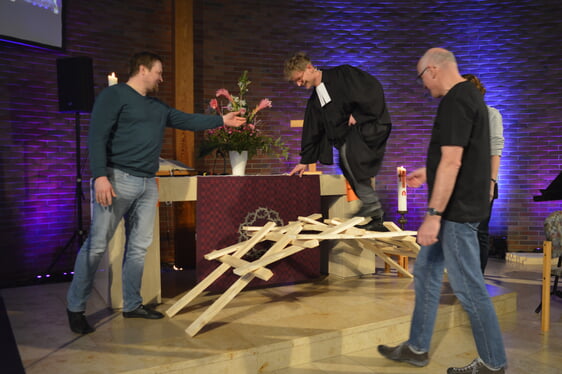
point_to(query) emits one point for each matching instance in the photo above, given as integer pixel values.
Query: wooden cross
(286, 241)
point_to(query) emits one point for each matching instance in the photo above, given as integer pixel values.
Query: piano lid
(552, 192)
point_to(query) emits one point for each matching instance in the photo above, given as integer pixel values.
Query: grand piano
(552, 192)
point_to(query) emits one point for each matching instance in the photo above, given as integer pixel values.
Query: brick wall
(511, 45)
(37, 154)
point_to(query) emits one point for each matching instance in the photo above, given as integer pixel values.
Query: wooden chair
(552, 248)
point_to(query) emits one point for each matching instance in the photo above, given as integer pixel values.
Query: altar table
(226, 202)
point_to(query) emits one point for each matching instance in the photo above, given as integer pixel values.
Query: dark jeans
(362, 188)
(484, 234)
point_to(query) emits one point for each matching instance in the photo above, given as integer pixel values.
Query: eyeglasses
(419, 79)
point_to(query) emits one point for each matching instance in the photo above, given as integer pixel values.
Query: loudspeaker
(76, 84)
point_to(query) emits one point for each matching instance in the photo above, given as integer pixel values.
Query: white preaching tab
(323, 95)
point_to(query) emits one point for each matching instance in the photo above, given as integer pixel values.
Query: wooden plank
(407, 244)
(240, 283)
(342, 227)
(219, 304)
(394, 242)
(381, 253)
(313, 218)
(355, 231)
(312, 227)
(235, 262)
(195, 291)
(267, 259)
(215, 274)
(369, 235)
(306, 243)
(225, 251)
(391, 226)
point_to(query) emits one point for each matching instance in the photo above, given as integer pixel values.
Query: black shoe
(78, 323)
(475, 367)
(369, 211)
(403, 353)
(143, 312)
(375, 224)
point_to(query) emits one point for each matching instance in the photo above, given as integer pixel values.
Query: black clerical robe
(352, 91)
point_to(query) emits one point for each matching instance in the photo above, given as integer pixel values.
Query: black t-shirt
(462, 120)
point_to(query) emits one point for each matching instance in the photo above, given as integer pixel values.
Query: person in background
(457, 173)
(496, 147)
(125, 139)
(346, 110)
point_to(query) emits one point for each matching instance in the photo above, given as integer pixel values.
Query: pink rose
(265, 103)
(224, 92)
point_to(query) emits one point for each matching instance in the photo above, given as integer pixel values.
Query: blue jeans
(459, 252)
(135, 202)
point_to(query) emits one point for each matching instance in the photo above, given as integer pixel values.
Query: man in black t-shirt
(457, 172)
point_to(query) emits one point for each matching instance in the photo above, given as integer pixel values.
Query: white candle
(111, 79)
(402, 193)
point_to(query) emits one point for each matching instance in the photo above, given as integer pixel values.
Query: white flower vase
(238, 162)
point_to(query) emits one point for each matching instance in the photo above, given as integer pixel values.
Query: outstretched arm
(416, 178)
(233, 119)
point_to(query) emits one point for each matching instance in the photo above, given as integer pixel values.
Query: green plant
(247, 137)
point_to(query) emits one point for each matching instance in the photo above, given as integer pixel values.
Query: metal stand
(79, 234)
(402, 260)
(402, 220)
(223, 155)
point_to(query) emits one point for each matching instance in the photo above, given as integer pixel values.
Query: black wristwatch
(433, 212)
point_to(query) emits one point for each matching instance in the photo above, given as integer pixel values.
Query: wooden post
(546, 269)
(184, 141)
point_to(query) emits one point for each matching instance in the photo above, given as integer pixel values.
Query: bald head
(439, 71)
(439, 56)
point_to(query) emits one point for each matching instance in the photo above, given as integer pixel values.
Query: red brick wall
(512, 45)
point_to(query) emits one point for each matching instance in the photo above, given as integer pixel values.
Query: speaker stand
(79, 234)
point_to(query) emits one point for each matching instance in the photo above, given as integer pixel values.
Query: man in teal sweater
(125, 139)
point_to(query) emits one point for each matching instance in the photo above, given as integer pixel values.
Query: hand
(416, 178)
(104, 191)
(352, 120)
(492, 188)
(428, 231)
(233, 119)
(299, 169)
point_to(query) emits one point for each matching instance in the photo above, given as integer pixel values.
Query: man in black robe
(346, 110)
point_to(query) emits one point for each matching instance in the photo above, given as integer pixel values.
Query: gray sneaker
(404, 353)
(475, 367)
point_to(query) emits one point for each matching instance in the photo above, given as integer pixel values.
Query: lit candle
(402, 194)
(111, 79)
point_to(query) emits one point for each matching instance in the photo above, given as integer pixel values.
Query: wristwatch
(433, 212)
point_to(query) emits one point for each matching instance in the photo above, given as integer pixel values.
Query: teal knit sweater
(126, 130)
